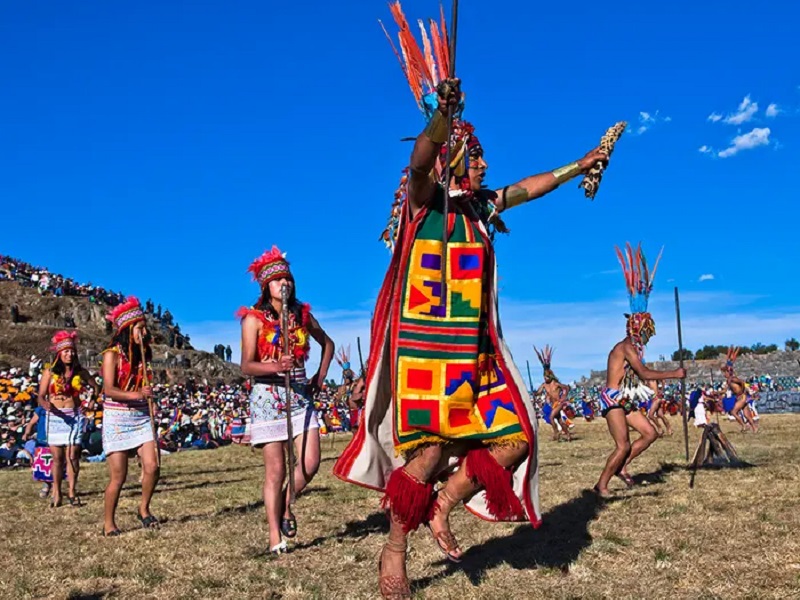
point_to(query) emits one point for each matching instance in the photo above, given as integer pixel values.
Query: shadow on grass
(97, 595)
(660, 474)
(190, 473)
(239, 510)
(564, 534)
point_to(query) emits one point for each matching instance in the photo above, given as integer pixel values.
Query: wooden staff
(683, 381)
(360, 357)
(530, 380)
(447, 171)
(287, 382)
(150, 405)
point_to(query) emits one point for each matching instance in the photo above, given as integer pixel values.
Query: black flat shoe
(289, 526)
(149, 522)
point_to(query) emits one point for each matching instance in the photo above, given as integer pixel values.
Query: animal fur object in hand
(591, 181)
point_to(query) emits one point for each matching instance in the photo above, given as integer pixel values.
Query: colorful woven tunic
(438, 370)
(449, 384)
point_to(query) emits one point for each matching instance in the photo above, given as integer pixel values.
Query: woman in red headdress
(127, 428)
(265, 360)
(59, 394)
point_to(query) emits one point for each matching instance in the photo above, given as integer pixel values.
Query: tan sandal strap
(393, 546)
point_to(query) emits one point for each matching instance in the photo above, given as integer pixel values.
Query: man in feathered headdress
(351, 392)
(627, 375)
(555, 391)
(741, 410)
(440, 375)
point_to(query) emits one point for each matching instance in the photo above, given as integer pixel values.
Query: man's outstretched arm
(536, 186)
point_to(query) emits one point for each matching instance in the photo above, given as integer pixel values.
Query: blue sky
(158, 147)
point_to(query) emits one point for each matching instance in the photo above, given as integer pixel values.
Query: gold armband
(567, 172)
(436, 129)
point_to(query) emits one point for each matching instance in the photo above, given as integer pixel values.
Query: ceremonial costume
(640, 328)
(439, 371)
(126, 425)
(65, 426)
(268, 396)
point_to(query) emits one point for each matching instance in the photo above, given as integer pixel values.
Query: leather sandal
(393, 587)
(446, 541)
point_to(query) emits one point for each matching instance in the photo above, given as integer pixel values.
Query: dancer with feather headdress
(741, 409)
(441, 383)
(556, 393)
(627, 375)
(351, 392)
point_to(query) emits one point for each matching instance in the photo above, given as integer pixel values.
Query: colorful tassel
(501, 501)
(410, 501)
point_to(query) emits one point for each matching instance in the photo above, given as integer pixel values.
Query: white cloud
(706, 277)
(772, 110)
(647, 120)
(747, 109)
(582, 332)
(705, 149)
(747, 141)
(714, 117)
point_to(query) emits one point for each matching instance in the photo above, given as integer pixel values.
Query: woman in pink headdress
(265, 360)
(59, 394)
(127, 428)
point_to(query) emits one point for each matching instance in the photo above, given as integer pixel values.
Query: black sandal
(112, 533)
(289, 526)
(149, 522)
(74, 501)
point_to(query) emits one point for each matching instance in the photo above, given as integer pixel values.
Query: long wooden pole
(683, 381)
(530, 379)
(150, 406)
(288, 385)
(447, 170)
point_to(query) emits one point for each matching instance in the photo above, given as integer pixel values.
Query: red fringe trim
(409, 500)
(501, 501)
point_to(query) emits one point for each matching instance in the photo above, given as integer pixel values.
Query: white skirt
(268, 419)
(65, 426)
(125, 427)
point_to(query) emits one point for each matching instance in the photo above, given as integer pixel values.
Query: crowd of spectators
(190, 416)
(756, 384)
(47, 283)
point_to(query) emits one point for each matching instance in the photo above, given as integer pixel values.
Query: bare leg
(737, 413)
(118, 471)
(652, 416)
(618, 427)
(459, 487)
(663, 416)
(647, 435)
(274, 473)
(748, 413)
(306, 449)
(150, 474)
(57, 469)
(422, 466)
(73, 454)
(555, 415)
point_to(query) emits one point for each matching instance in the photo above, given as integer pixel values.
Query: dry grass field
(735, 535)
